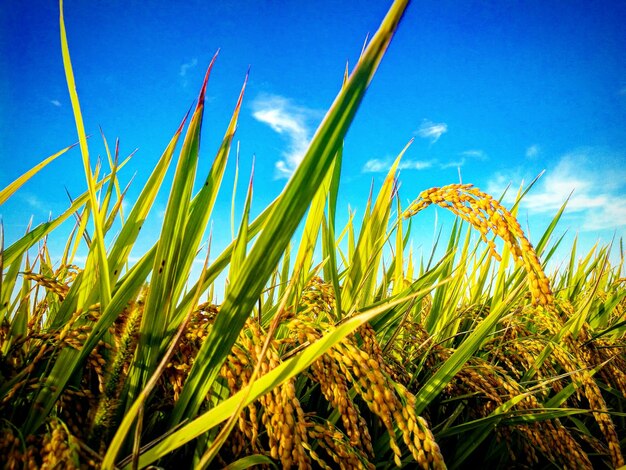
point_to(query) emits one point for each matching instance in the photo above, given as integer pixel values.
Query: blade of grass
(438, 381)
(358, 288)
(137, 406)
(239, 251)
(312, 224)
(331, 268)
(98, 245)
(250, 461)
(130, 230)
(202, 205)
(38, 233)
(165, 279)
(7, 192)
(282, 223)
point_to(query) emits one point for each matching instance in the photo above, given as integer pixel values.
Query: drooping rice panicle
(487, 215)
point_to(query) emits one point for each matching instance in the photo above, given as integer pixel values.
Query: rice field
(367, 357)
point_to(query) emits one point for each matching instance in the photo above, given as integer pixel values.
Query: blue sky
(492, 91)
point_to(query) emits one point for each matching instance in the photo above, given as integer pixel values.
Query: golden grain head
(486, 214)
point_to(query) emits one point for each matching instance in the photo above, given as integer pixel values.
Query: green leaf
(98, 247)
(250, 461)
(241, 242)
(304, 257)
(202, 204)
(13, 252)
(165, 283)
(124, 243)
(331, 268)
(358, 288)
(438, 381)
(282, 223)
(7, 192)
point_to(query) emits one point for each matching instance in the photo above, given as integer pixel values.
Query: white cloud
(33, 203)
(532, 152)
(432, 130)
(477, 154)
(594, 182)
(184, 68)
(56, 103)
(376, 165)
(452, 164)
(289, 120)
(414, 165)
(473, 154)
(568, 177)
(610, 216)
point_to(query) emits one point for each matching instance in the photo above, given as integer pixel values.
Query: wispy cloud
(593, 181)
(289, 120)
(611, 216)
(432, 130)
(465, 155)
(452, 164)
(476, 154)
(56, 103)
(414, 165)
(184, 68)
(376, 165)
(532, 152)
(34, 203)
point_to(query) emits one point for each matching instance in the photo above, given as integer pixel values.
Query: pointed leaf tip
(243, 89)
(251, 175)
(206, 80)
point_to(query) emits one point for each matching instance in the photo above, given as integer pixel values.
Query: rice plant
(365, 358)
